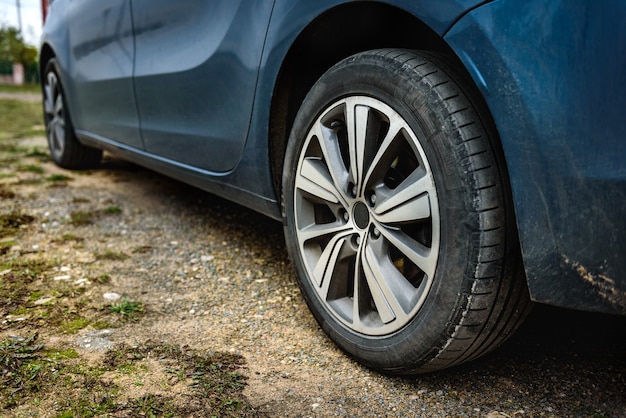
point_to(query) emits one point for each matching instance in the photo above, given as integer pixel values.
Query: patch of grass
(142, 249)
(32, 373)
(5, 246)
(82, 218)
(101, 279)
(24, 88)
(112, 210)
(126, 308)
(37, 153)
(20, 119)
(16, 277)
(74, 325)
(80, 200)
(62, 354)
(215, 378)
(31, 168)
(6, 193)
(36, 295)
(10, 223)
(59, 178)
(111, 256)
(25, 270)
(101, 325)
(22, 370)
(67, 238)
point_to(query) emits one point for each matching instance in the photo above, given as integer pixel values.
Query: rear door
(195, 73)
(101, 43)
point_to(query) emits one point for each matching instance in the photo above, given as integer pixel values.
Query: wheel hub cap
(361, 215)
(366, 215)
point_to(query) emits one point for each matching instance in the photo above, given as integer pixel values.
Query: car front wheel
(397, 216)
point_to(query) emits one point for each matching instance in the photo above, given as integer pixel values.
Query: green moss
(68, 238)
(56, 355)
(111, 256)
(81, 218)
(102, 279)
(112, 210)
(31, 168)
(74, 325)
(101, 325)
(11, 222)
(36, 295)
(58, 178)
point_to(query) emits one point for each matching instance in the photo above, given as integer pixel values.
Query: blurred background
(20, 29)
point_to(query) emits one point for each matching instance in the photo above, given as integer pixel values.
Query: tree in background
(13, 49)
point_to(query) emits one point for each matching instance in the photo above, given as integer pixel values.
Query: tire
(397, 214)
(65, 149)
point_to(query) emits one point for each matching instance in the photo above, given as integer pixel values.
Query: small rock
(42, 301)
(95, 340)
(111, 296)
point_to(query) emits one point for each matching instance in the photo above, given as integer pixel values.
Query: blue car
(437, 165)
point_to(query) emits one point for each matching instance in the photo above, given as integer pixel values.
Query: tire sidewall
(59, 157)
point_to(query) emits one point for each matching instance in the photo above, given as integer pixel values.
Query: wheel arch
(322, 44)
(45, 55)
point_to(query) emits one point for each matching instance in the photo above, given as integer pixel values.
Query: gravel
(215, 276)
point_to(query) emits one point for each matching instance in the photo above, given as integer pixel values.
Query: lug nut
(346, 216)
(336, 125)
(373, 199)
(376, 232)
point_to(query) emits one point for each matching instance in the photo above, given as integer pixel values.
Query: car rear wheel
(397, 215)
(64, 147)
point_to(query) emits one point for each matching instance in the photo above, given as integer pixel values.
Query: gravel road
(215, 276)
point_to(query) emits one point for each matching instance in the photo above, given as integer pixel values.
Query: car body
(208, 92)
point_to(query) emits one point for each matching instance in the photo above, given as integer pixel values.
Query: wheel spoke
(409, 202)
(50, 90)
(395, 127)
(327, 140)
(385, 301)
(325, 266)
(59, 132)
(58, 106)
(422, 256)
(316, 231)
(357, 123)
(394, 291)
(315, 179)
(48, 99)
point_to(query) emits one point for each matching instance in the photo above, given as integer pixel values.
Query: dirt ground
(213, 277)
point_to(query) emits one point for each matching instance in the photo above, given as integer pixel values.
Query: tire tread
(498, 312)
